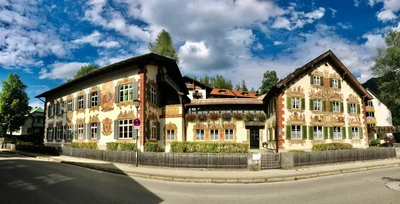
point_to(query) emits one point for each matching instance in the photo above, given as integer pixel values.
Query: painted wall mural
(107, 96)
(106, 125)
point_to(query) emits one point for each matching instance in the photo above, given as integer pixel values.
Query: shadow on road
(35, 181)
(390, 179)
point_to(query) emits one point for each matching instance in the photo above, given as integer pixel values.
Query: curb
(214, 180)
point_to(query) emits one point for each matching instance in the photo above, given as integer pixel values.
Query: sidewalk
(219, 175)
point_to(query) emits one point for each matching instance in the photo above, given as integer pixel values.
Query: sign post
(136, 123)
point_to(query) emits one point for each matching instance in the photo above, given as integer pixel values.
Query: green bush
(112, 146)
(208, 147)
(178, 147)
(254, 167)
(84, 145)
(331, 146)
(151, 147)
(296, 150)
(123, 146)
(375, 142)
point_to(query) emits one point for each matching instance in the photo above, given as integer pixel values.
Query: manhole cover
(394, 185)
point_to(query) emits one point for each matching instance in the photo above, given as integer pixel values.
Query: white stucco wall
(382, 113)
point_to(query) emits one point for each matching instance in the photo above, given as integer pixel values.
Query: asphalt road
(28, 180)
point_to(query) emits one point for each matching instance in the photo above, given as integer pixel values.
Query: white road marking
(22, 184)
(53, 178)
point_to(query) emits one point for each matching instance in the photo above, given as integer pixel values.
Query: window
(317, 132)
(337, 133)
(369, 103)
(229, 135)
(214, 135)
(296, 103)
(50, 133)
(336, 106)
(354, 132)
(153, 95)
(317, 105)
(69, 132)
(370, 114)
(59, 132)
(353, 108)
(296, 132)
(69, 105)
(60, 108)
(93, 130)
(170, 135)
(81, 102)
(93, 99)
(125, 92)
(125, 129)
(80, 131)
(153, 135)
(317, 80)
(371, 125)
(199, 135)
(335, 83)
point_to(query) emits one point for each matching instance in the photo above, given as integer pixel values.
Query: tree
(269, 80)
(244, 87)
(220, 82)
(13, 103)
(237, 86)
(85, 70)
(387, 63)
(164, 46)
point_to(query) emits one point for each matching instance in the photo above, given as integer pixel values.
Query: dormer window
(245, 93)
(222, 91)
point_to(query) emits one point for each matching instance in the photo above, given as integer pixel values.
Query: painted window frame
(353, 108)
(170, 135)
(69, 132)
(81, 132)
(125, 92)
(317, 105)
(355, 132)
(337, 133)
(93, 99)
(214, 135)
(335, 83)
(296, 103)
(370, 114)
(69, 105)
(318, 132)
(336, 106)
(153, 133)
(200, 135)
(317, 80)
(81, 102)
(296, 133)
(229, 135)
(153, 94)
(93, 130)
(125, 126)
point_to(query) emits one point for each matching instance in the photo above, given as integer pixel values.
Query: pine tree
(85, 70)
(164, 46)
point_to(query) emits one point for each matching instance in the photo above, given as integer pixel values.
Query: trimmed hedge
(121, 146)
(48, 150)
(208, 147)
(331, 146)
(375, 142)
(296, 150)
(84, 145)
(151, 147)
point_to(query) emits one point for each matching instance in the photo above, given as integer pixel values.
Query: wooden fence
(188, 160)
(326, 157)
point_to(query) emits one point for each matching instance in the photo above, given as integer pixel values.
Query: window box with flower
(202, 117)
(238, 116)
(226, 116)
(214, 116)
(190, 117)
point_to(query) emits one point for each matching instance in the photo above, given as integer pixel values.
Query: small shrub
(254, 167)
(178, 147)
(151, 147)
(84, 145)
(296, 150)
(331, 146)
(375, 142)
(123, 146)
(112, 146)
(389, 140)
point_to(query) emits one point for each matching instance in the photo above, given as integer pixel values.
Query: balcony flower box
(238, 116)
(202, 117)
(190, 117)
(214, 116)
(226, 116)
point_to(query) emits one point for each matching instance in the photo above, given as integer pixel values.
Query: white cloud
(94, 40)
(25, 35)
(278, 43)
(281, 22)
(333, 12)
(298, 19)
(386, 15)
(61, 70)
(36, 103)
(389, 10)
(345, 26)
(357, 3)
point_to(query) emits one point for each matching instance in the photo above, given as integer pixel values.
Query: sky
(47, 41)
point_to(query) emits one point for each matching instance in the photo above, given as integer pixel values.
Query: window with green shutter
(358, 109)
(326, 133)
(303, 104)
(311, 104)
(361, 132)
(344, 133)
(304, 132)
(311, 132)
(288, 132)
(323, 106)
(288, 102)
(331, 133)
(350, 132)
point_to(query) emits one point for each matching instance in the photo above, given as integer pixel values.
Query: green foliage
(331, 146)
(217, 82)
(13, 103)
(85, 70)
(164, 46)
(84, 145)
(269, 80)
(296, 150)
(254, 167)
(387, 64)
(208, 147)
(48, 150)
(178, 147)
(151, 147)
(112, 146)
(123, 146)
(375, 142)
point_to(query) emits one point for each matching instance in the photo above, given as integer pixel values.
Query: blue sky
(46, 42)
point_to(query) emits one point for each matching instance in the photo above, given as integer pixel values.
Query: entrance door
(254, 138)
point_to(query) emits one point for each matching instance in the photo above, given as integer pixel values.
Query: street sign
(136, 122)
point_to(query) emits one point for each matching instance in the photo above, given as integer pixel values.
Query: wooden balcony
(371, 120)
